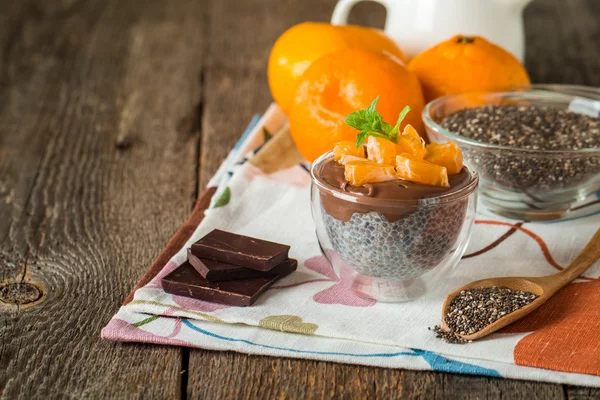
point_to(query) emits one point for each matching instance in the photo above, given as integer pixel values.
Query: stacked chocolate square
(228, 268)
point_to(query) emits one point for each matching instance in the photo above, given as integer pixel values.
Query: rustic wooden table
(113, 116)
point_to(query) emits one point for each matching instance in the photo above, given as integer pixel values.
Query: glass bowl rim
(431, 124)
(466, 191)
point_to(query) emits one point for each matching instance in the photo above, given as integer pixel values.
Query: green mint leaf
(224, 198)
(370, 123)
(396, 130)
(361, 137)
(403, 113)
(379, 125)
(375, 125)
(371, 111)
(379, 135)
(387, 128)
(357, 120)
(401, 117)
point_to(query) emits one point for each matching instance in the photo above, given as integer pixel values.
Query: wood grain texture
(582, 393)
(240, 36)
(97, 170)
(231, 375)
(106, 107)
(563, 41)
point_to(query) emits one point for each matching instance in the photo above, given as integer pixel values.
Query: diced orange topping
(358, 173)
(447, 155)
(346, 159)
(411, 133)
(410, 147)
(347, 148)
(381, 151)
(414, 169)
(410, 142)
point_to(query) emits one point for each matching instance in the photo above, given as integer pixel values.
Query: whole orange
(343, 82)
(465, 63)
(302, 44)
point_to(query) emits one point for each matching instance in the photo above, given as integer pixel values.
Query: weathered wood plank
(240, 37)
(582, 393)
(563, 41)
(98, 165)
(231, 375)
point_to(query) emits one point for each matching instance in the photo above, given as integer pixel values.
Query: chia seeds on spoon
(540, 128)
(474, 309)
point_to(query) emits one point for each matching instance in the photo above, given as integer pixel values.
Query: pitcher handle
(343, 7)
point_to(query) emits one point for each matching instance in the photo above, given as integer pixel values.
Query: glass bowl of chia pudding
(536, 148)
(384, 237)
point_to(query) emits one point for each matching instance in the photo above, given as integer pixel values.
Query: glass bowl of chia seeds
(384, 248)
(536, 148)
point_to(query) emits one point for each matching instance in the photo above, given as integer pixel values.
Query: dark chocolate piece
(186, 281)
(215, 271)
(239, 250)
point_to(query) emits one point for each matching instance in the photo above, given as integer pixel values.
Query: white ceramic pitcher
(419, 24)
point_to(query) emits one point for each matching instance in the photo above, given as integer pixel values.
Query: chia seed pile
(526, 127)
(474, 309)
(533, 128)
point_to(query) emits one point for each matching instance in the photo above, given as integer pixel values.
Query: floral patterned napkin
(311, 314)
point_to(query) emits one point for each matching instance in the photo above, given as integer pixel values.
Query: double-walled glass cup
(389, 244)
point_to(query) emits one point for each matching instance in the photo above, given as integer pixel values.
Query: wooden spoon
(544, 287)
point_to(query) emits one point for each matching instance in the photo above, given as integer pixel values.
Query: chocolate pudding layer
(394, 230)
(380, 196)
